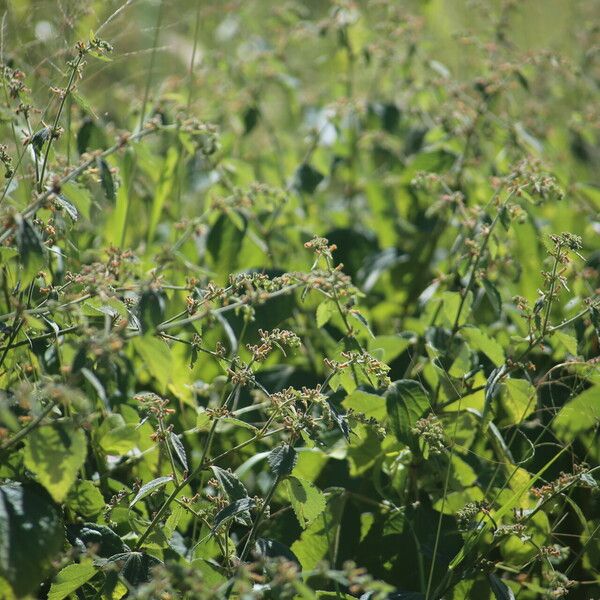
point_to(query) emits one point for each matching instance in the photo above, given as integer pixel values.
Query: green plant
(299, 300)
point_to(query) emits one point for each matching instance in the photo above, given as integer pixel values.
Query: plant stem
(53, 131)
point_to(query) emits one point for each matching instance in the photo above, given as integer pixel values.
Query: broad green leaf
(371, 405)
(55, 453)
(390, 346)
(325, 311)
(518, 399)
(480, 341)
(578, 415)
(451, 304)
(307, 500)
(85, 499)
(568, 341)
(70, 579)
(407, 401)
(318, 540)
(31, 536)
(157, 358)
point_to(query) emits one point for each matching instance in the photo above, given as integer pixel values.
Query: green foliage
(299, 300)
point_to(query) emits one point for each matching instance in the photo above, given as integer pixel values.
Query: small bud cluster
(431, 431)
(277, 338)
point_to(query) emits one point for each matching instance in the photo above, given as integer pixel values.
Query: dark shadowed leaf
(102, 540)
(307, 178)
(274, 549)
(230, 483)
(500, 590)
(233, 509)
(407, 401)
(282, 460)
(135, 567)
(31, 535)
(106, 179)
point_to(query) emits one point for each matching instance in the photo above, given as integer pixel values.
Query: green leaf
(318, 539)
(70, 579)
(55, 453)
(85, 499)
(39, 138)
(568, 341)
(480, 341)
(179, 450)
(231, 510)
(500, 590)
(151, 310)
(307, 500)
(371, 405)
(307, 178)
(493, 296)
(31, 536)
(282, 459)
(452, 303)
(32, 252)
(100, 539)
(325, 311)
(578, 415)
(518, 399)
(157, 358)
(106, 179)
(150, 487)
(224, 243)
(63, 203)
(407, 401)
(230, 483)
(135, 567)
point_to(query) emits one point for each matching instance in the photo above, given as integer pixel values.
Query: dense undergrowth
(299, 300)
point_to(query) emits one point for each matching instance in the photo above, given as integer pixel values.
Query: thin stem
(53, 131)
(30, 427)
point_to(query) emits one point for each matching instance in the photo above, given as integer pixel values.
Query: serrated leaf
(282, 460)
(179, 449)
(55, 453)
(480, 341)
(230, 483)
(100, 539)
(307, 500)
(135, 567)
(407, 401)
(150, 487)
(233, 509)
(67, 206)
(70, 579)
